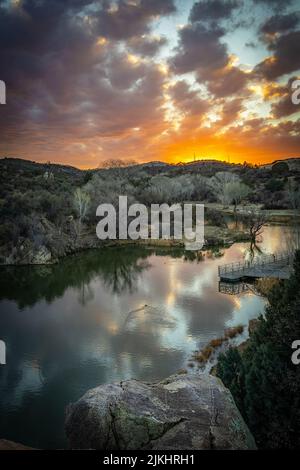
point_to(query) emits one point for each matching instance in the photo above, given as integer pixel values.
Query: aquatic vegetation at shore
(233, 332)
(206, 353)
(265, 285)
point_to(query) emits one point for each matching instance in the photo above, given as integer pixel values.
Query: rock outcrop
(10, 445)
(182, 412)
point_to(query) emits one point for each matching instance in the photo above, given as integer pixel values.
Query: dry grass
(264, 286)
(199, 357)
(216, 343)
(231, 333)
(204, 355)
(182, 372)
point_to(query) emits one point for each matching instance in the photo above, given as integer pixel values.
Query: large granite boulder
(182, 412)
(10, 445)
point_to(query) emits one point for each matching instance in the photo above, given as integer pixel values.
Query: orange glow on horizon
(221, 157)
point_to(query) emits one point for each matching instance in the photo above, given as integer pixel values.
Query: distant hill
(20, 163)
(293, 163)
(19, 166)
(156, 163)
(206, 167)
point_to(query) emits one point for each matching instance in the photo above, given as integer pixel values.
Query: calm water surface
(105, 316)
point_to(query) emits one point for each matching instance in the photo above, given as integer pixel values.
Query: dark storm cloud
(188, 100)
(123, 75)
(129, 19)
(280, 23)
(285, 107)
(65, 31)
(227, 82)
(72, 84)
(199, 50)
(146, 46)
(202, 51)
(276, 4)
(231, 110)
(33, 57)
(213, 10)
(285, 56)
(62, 84)
(40, 35)
(30, 24)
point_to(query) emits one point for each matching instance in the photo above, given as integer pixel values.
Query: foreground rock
(181, 412)
(10, 445)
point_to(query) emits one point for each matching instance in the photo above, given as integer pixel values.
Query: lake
(108, 315)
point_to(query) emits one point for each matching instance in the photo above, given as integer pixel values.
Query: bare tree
(161, 189)
(237, 192)
(254, 221)
(220, 184)
(117, 166)
(81, 205)
(202, 187)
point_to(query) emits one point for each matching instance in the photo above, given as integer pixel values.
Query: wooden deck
(277, 266)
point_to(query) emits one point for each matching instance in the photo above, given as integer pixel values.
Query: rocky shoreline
(28, 253)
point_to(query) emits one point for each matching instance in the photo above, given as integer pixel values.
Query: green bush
(275, 185)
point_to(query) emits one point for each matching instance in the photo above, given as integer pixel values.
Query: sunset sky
(88, 81)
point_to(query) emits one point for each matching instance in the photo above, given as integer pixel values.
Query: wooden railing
(242, 266)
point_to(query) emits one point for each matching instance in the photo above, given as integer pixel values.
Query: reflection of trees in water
(289, 242)
(119, 268)
(85, 293)
(253, 251)
(192, 255)
(292, 238)
(121, 273)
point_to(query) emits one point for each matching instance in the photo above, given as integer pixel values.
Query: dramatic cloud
(188, 101)
(280, 23)
(276, 4)
(285, 106)
(227, 81)
(231, 111)
(129, 19)
(202, 51)
(213, 10)
(146, 45)
(285, 58)
(199, 50)
(91, 80)
(66, 81)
